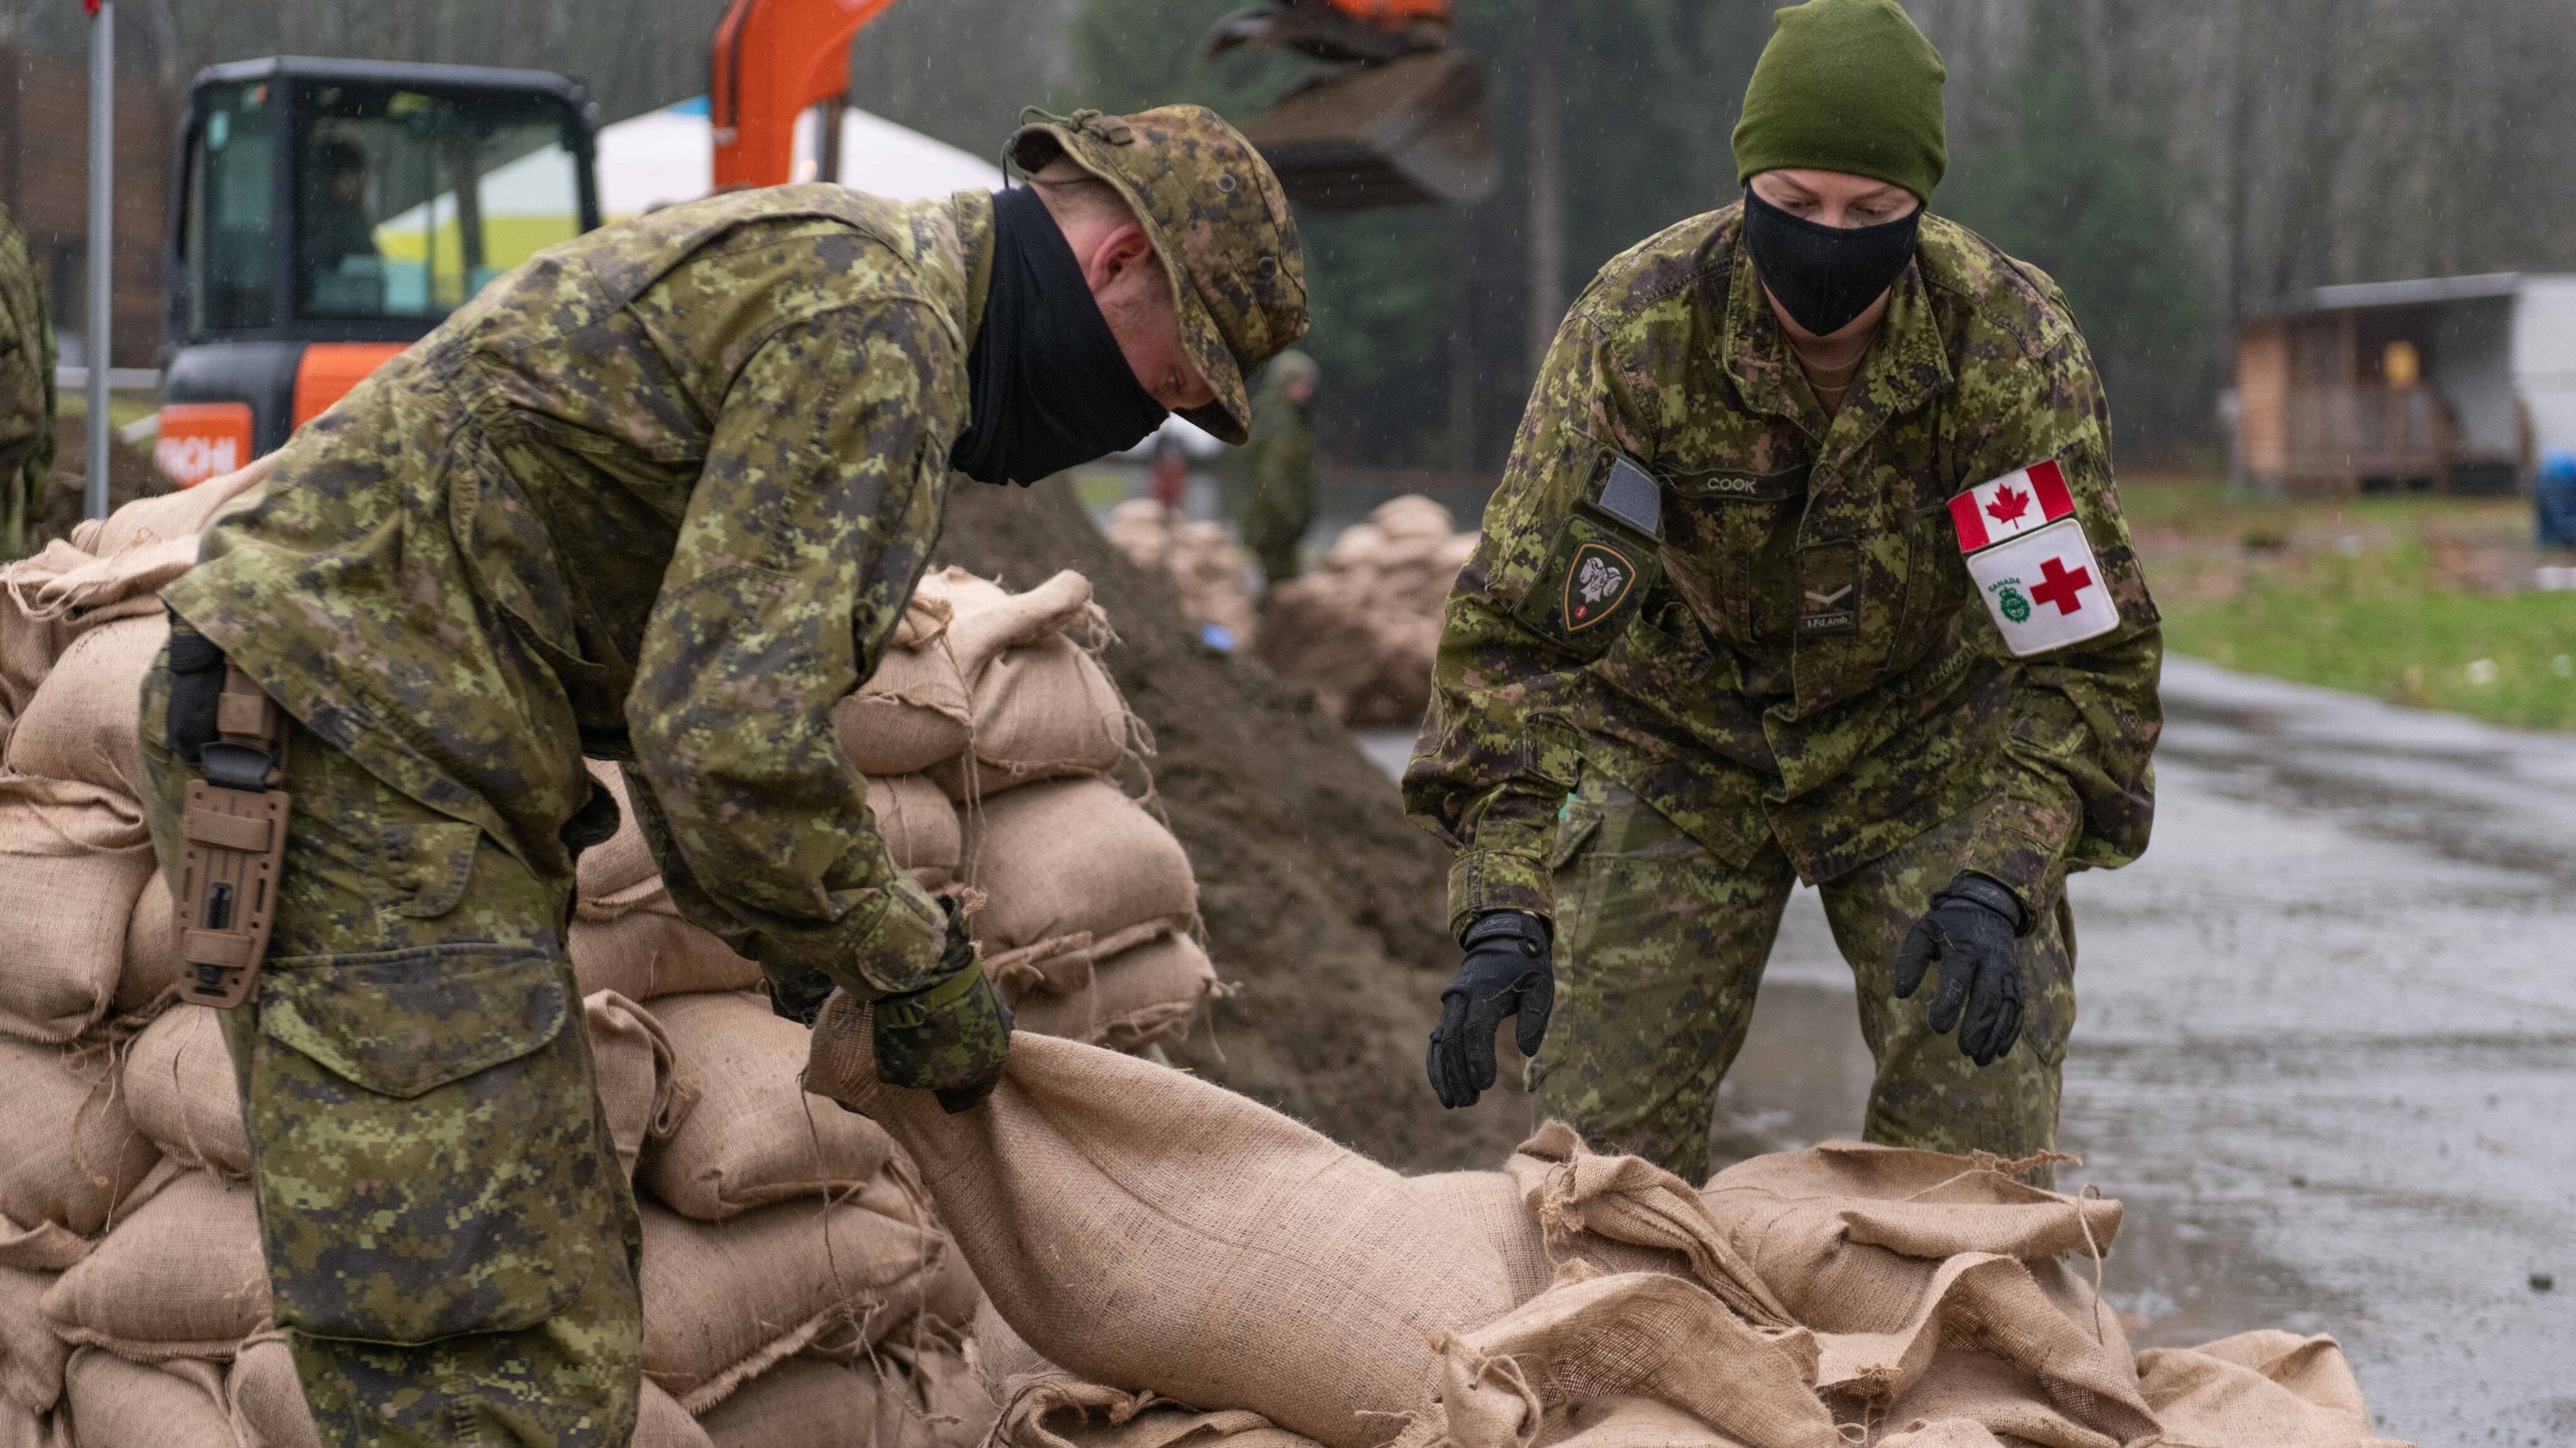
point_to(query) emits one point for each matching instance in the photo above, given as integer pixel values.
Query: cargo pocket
(428, 1157)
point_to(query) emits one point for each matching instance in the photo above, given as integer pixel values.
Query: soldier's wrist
(906, 949)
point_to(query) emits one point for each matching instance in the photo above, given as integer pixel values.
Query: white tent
(669, 155)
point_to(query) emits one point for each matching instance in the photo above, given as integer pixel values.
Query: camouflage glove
(950, 1037)
(1969, 930)
(1506, 973)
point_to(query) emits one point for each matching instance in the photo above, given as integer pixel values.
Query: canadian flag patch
(2031, 562)
(2011, 505)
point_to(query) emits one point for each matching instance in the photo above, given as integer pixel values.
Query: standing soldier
(658, 496)
(1807, 565)
(26, 394)
(1279, 467)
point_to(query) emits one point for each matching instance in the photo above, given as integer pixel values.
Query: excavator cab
(329, 213)
(1397, 119)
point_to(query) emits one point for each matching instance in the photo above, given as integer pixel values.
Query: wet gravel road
(2325, 1049)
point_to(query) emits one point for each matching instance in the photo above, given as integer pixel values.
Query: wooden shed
(2447, 384)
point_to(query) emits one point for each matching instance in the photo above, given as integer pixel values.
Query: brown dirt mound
(1322, 902)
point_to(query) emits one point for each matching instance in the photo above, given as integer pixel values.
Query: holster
(233, 830)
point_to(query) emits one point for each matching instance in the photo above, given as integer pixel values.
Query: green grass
(2380, 624)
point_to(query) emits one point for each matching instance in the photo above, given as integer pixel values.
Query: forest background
(2174, 165)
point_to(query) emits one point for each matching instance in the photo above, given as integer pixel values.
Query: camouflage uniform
(26, 394)
(1797, 681)
(659, 496)
(1279, 475)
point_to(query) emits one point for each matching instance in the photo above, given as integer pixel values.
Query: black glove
(950, 1038)
(1969, 929)
(1506, 972)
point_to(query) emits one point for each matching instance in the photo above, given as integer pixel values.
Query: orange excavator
(328, 213)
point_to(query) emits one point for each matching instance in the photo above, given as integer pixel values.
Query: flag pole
(102, 221)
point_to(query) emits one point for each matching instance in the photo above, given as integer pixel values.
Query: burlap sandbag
(642, 1091)
(73, 860)
(647, 954)
(83, 720)
(151, 948)
(118, 1404)
(180, 1085)
(2257, 1390)
(725, 1301)
(31, 1357)
(988, 618)
(1044, 710)
(181, 1278)
(1315, 631)
(612, 868)
(1630, 1335)
(20, 1428)
(1057, 1410)
(753, 1136)
(906, 1398)
(1074, 857)
(70, 1155)
(919, 826)
(186, 513)
(1397, 687)
(1887, 1253)
(268, 1409)
(1135, 999)
(1150, 1231)
(1141, 529)
(917, 708)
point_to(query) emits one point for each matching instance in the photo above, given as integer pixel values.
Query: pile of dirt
(1322, 903)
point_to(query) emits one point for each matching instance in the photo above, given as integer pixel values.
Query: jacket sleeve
(2076, 788)
(810, 524)
(1499, 751)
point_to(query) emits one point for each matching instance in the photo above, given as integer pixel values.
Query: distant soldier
(26, 394)
(1807, 565)
(1279, 467)
(659, 495)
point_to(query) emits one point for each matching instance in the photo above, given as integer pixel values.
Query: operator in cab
(659, 495)
(1807, 566)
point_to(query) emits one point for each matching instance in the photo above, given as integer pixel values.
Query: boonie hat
(1216, 216)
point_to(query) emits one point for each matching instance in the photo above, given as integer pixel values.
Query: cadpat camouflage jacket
(26, 394)
(1803, 657)
(658, 495)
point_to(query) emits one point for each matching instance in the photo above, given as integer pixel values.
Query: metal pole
(102, 222)
(1547, 177)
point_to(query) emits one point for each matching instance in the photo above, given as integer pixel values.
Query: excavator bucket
(1402, 133)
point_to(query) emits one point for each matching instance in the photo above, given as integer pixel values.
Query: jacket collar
(1905, 366)
(973, 211)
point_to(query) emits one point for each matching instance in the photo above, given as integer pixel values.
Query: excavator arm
(1398, 119)
(771, 60)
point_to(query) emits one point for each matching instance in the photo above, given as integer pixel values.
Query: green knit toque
(1849, 86)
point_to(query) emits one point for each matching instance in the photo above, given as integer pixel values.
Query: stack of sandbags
(1363, 628)
(989, 735)
(1212, 574)
(1147, 1239)
(795, 1277)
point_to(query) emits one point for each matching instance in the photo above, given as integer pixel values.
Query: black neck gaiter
(1825, 276)
(1048, 386)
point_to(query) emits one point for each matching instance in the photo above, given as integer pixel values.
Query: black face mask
(1048, 386)
(1825, 276)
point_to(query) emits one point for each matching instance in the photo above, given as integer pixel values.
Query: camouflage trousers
(1661, 945)
(451, 1241)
